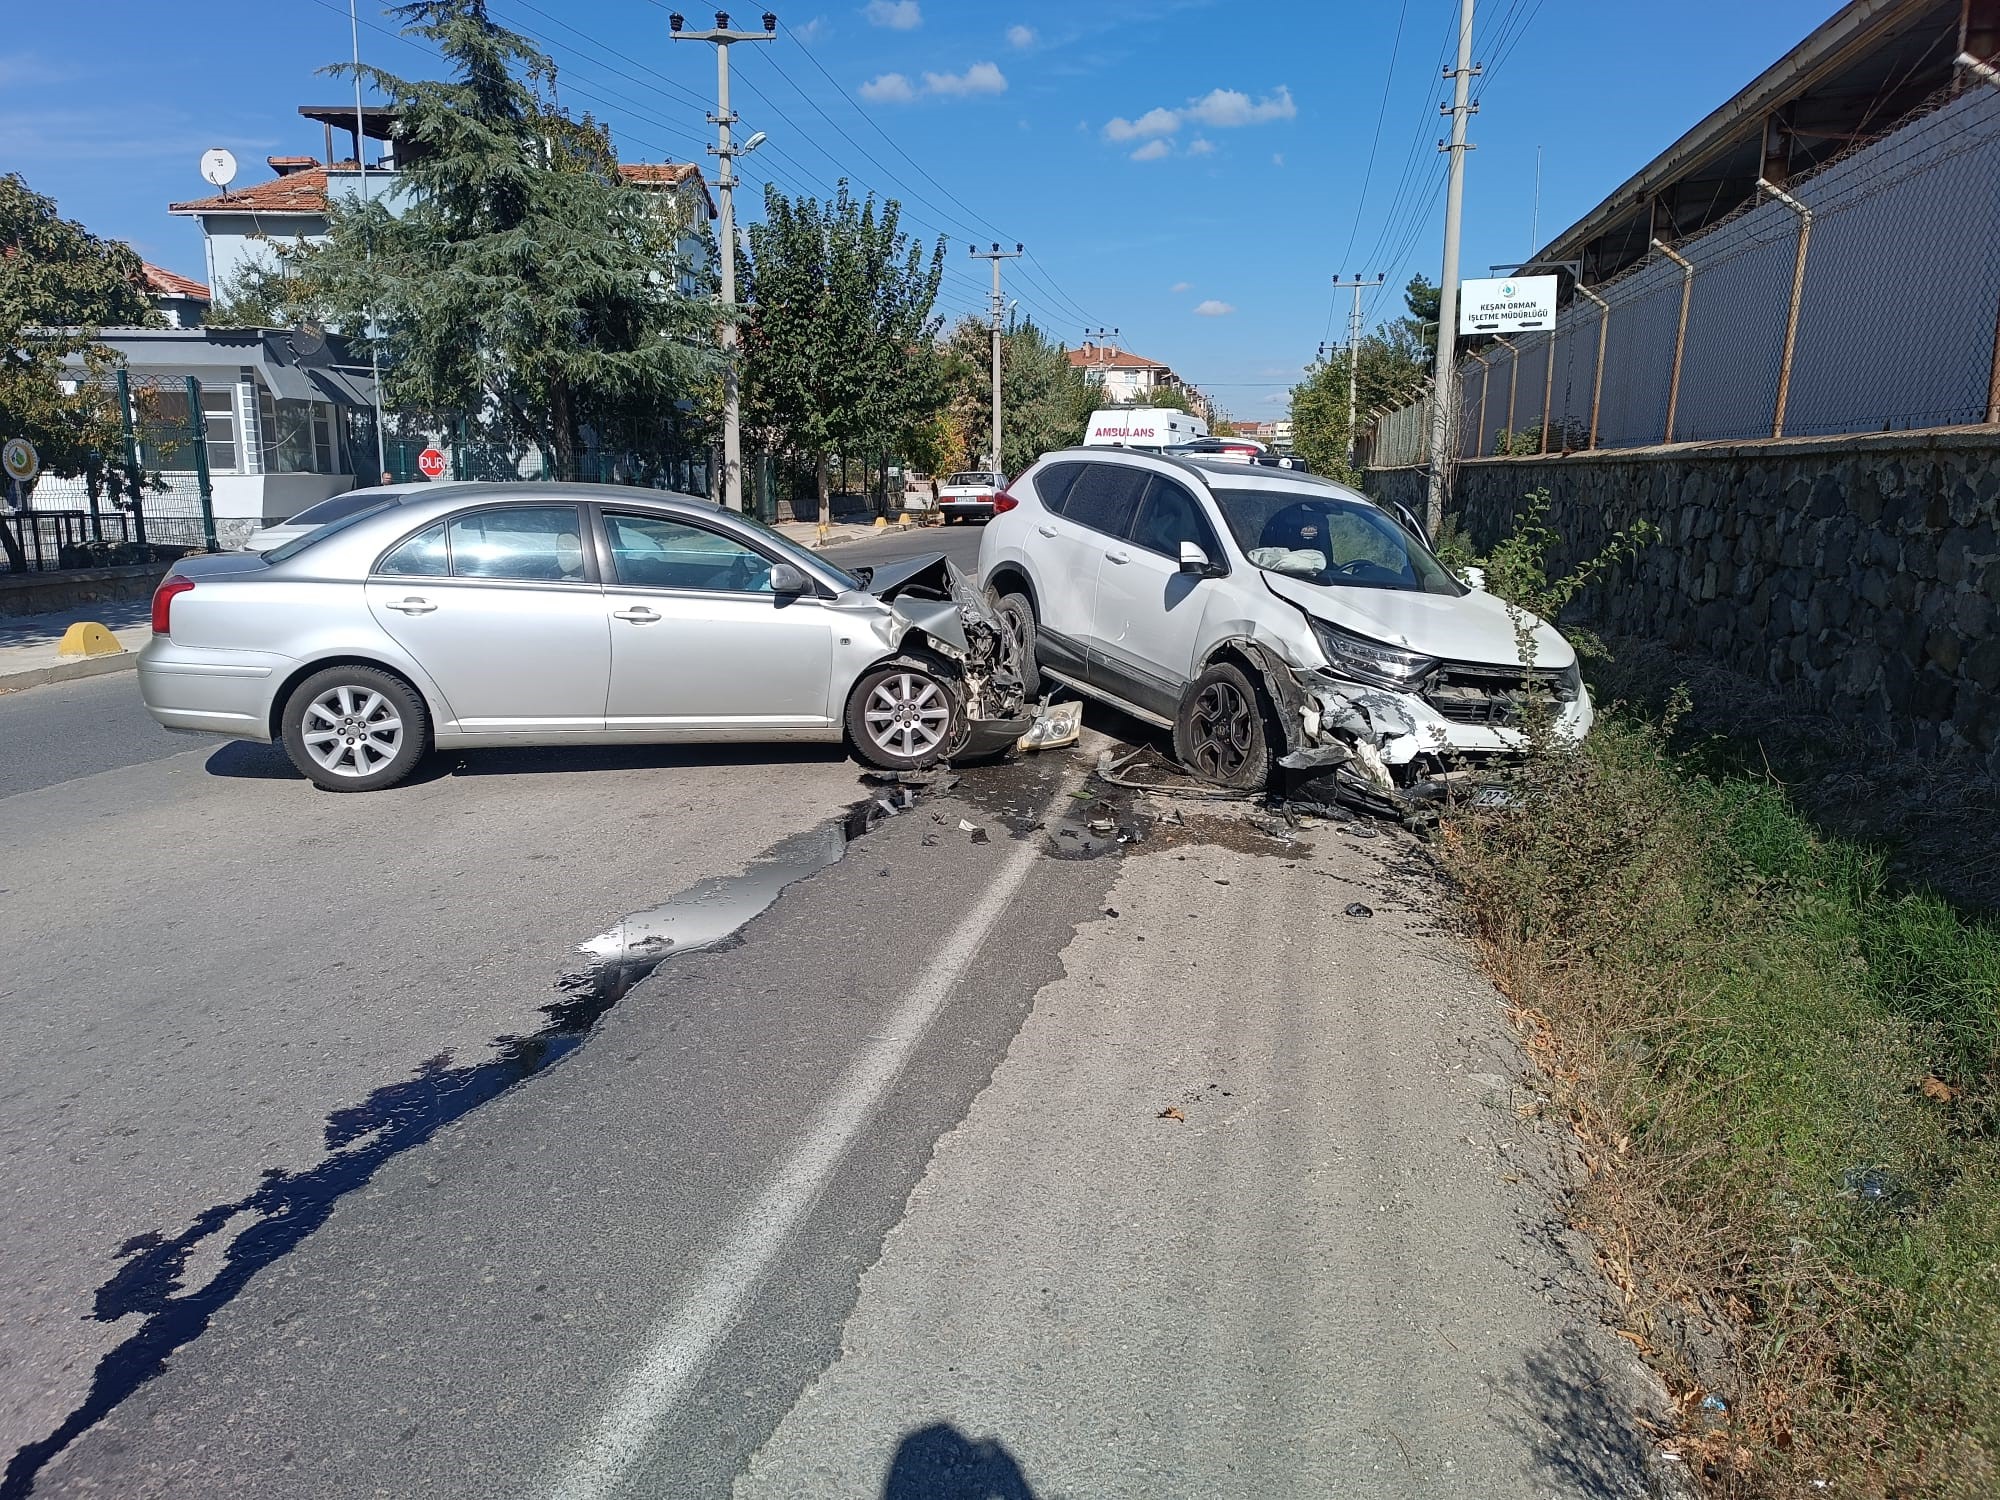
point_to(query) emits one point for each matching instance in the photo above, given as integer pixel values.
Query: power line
(1381, 113)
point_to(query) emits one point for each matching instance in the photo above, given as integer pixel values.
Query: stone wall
(38, 593)
(1863, 572)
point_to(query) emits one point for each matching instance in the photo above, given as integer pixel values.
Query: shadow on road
(1572, 1410)
(247, 760)
(941, 1463)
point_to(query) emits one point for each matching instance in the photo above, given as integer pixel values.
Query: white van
(1142, 427)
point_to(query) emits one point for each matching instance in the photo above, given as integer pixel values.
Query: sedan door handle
(1046, 530)
(411, 606)
(638, 615)
(1117, 557)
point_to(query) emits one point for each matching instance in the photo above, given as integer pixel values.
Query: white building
(283, 418)
(241, 224)
(1124, 376)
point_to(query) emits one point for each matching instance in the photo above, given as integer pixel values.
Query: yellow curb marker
(88, 638)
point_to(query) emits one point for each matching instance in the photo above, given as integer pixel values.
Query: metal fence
(154, 497)
(1862, 300)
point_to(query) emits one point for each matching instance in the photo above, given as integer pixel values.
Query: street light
(752, 144)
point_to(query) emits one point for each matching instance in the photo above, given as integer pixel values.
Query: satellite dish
(308, 343)
(219, 167)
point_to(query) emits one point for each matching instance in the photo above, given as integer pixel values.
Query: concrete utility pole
(1444, 388)
(361, 170)
(1354, 349)
(725, 188)
(996, 255)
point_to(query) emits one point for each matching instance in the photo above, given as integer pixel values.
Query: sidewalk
(806, 533)
(28, 643)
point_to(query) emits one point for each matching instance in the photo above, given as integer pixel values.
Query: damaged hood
(935, 596)
(931, 571)
(1473, 628)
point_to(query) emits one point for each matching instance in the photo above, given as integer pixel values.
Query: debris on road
(1357, 909)
(1171, 1113)
(1056, 725)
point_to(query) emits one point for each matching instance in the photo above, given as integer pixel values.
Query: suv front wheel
(1223, 730)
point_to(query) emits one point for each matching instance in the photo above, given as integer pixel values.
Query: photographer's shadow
(941, 1463)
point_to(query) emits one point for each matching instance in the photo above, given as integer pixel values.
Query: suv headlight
(1371, 661)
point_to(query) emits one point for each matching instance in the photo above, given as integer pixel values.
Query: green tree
(1046, 400)
(841, 348)
(60, 284)
(1394, 362)
(1170, 396)
(522, 289)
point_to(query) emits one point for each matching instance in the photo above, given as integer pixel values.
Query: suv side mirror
(788, 579)
(1195, 561)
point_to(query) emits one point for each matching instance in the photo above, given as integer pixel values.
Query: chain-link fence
(1861, 299)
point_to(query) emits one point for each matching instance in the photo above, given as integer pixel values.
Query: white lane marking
(679, 1346)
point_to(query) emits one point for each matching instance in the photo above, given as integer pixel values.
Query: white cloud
(897, 15)
(1200, 146)
(1152, 122)
(1277, 158)
(1220, 109)
(980, 78)
(890, 88)
(1213, 309)
(1152, 151)
(1224, 108)
(811, 31)
(1181, 286)
(1020, 36)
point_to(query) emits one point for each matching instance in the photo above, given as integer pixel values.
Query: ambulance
(1142, 427)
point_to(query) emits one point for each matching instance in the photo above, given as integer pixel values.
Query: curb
(68, 671)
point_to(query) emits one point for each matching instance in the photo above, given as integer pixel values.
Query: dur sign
(1508, 304)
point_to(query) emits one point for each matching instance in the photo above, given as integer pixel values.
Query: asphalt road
(334, 1167)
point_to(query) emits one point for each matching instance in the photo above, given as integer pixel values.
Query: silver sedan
(459, 615)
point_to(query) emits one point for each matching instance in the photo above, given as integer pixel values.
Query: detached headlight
(1369, 661)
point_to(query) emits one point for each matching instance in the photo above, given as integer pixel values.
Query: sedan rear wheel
(355, 729)
(903, 716)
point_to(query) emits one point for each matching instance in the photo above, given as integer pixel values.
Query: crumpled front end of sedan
(960, 625)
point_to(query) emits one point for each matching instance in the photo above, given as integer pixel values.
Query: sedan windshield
(1329, 539)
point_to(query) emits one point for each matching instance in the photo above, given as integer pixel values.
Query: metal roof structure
(1872, 63)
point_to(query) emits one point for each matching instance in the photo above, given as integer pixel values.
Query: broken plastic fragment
(1356, 909)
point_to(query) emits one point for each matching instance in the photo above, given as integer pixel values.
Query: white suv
(1266, 617)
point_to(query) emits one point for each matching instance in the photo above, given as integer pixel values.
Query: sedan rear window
(1329, 539)
(319, 534)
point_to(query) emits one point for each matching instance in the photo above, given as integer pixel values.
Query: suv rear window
(1052, 485)
(1105, 496)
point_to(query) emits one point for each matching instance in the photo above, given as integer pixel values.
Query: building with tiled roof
(1125, 376)
(181, 300)
(239, 224)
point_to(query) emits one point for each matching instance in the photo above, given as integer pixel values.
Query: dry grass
(1780, 1071)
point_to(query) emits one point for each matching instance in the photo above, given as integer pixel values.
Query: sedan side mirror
(1195, 561)
(789, 579)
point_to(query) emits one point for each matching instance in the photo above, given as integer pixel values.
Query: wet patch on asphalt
(240, 1237)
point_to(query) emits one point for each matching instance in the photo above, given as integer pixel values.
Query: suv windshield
(1329, 539)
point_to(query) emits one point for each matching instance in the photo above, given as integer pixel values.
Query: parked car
(971, 496)
(315, 516)
(1269, 619)
(463, 614)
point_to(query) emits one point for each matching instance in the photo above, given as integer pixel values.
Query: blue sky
(1190, 172)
